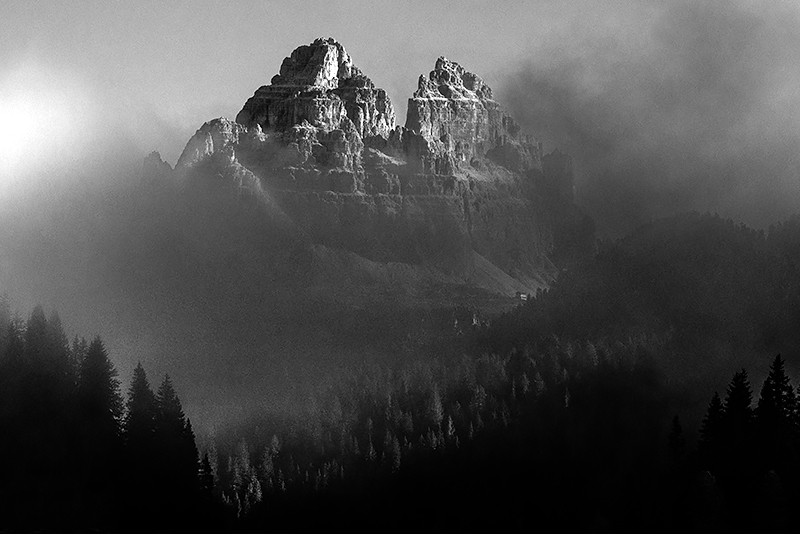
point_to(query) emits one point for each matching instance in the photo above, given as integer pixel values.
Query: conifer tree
(175, 439)
(140, 439)
(100, 415)
(738, 410)
(58, 346)
(777, 403)
(737, 470)
(711, 428)
(775, 416)
(141, 413)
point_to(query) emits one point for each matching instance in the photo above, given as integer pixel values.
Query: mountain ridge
(460, 193)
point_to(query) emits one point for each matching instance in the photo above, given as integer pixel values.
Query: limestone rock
(460, 190)
(453, 110)
(319, 83)
(215, 138)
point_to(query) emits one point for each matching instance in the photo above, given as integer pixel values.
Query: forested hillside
(592, 406)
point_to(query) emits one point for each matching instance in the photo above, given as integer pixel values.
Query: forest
(620, 399)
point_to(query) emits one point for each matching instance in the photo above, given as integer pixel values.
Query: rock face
(454, 112)
(319, 84)
(459, 191)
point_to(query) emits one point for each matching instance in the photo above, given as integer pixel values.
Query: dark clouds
(688, 105)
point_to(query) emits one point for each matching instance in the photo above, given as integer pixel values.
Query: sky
(154, 71)
(664, 105)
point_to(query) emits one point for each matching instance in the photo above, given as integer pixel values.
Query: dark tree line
(557, 415)
(748, 455)
(73, 452)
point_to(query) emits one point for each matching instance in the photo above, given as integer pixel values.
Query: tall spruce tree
(738, 407)
(65, 373)
(176, 442)
(141, 415)
(776, 414)
(710, 430)
(141, 445)
(738, 473)
(777, 402)
(100, 414)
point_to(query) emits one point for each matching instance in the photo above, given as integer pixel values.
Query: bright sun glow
(41, 113)
(19, 120)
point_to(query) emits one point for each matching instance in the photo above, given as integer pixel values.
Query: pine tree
(36, 338)
(777, 402)
(179, 462)
(66, 374)
(710, 432)
(737, 469)
(140, 440)
(775, 416)
(100, 416)
(738, 410)
(141, 413)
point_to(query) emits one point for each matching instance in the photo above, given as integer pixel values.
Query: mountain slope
(459, 196)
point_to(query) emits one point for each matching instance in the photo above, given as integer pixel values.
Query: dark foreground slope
(558, 415)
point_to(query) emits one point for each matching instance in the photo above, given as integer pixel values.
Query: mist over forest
(624, 324)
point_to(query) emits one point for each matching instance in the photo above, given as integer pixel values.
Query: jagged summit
(323, 63)
(454, 111)
(450, 80)
(459, 195)
(319, 83)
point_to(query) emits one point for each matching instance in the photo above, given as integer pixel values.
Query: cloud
(672, 106)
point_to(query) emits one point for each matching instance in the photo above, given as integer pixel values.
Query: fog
(683, 105)
(664, 106)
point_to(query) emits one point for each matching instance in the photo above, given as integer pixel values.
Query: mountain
(457, 205)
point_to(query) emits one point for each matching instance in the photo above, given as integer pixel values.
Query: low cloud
(672, 106)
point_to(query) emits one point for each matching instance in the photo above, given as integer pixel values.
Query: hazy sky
(155, 70)
(665, 105)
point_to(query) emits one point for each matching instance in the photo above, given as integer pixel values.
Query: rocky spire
(448, 79)
(319, 83)
(454, 111)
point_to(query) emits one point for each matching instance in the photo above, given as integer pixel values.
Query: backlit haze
(664, 106)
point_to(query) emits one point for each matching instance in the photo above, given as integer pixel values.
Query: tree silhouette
(777, 403)
(100, 413)
(711, 435)
(140, 438)
(738, 410)
(776, 414)
(737, 471)
(141, 413)
(178, 461)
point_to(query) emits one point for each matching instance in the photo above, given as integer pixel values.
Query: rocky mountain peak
(459, 196)
(453, 110)
(448, 79)
(319, 84)
(321, 64)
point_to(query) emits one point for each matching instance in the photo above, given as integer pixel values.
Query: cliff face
(459, 194)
